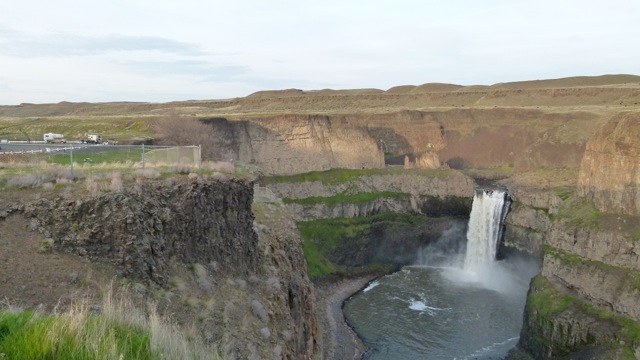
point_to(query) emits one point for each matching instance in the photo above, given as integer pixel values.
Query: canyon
(388, 171)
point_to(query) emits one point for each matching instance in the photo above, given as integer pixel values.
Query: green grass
(360, 198)
(580, 212)
(107, 157)
(499, 172)
(548, 302)
(564, 192)
(29, 335)
(629, 330)
(325, 236)
(340, 176)
(632, 276)
(317, 265)
(545, 300)
(120, 330)
(635, 235)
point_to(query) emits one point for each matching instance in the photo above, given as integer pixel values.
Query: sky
(160, 50)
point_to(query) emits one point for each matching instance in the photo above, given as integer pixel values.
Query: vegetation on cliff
(359, 198)
(116, 329)
(346, 246)
(340, 176)
(559, 323)
(580, 212)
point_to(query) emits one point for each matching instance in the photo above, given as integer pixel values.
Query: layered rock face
(296, 144)
(307, 212)
(585, 301)
(610, 171)
(523, 139)
(410, 192)
(439, 183)
(258, 302)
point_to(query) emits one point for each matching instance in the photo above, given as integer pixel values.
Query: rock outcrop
(323, 210)
(295, 144)
(610, 171)
(197, 240)
(141, 230)
(585, 301)
(432, 193)
(427, 160)
(439, 183)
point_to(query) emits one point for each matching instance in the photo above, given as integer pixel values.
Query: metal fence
(85, 156)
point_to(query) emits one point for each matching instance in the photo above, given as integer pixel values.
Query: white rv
(94, 138)
(51, 138)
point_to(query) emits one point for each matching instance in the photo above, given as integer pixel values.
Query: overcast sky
(159, 50)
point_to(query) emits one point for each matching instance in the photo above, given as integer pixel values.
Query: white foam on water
(422, 307)
(372, 285)
(417, 305)
(490, 348)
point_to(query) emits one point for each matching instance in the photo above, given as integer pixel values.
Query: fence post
(142, 156)
(71, 157)
(199, 158)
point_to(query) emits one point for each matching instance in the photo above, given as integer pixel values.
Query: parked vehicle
(94, 138)
(51, 138)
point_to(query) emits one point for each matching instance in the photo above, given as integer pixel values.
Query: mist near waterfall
(467, 251)
(448, 250)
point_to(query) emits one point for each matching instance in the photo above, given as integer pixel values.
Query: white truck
(51, 138)
(94, 138)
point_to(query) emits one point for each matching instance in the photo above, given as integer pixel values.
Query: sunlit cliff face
(610, 171)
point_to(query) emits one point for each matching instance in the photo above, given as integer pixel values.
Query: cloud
(4, 84)
(22, 44)
(201, 69)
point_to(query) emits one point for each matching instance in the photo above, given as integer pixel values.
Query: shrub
(45, 245)
(92, 185)
(182, 169)
(219, 176)
(25, 181)
(60, 174)
(223, 166)
(116, 181)
(258, 310)
(62, 181)
(148, 173)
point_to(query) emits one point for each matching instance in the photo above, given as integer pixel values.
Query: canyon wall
(428, 182)
(353, 194)
(197, 240)
(585, 301)
(296, 144)
(610, 171)
(519, 138)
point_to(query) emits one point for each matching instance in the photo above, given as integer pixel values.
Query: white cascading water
(485, 228)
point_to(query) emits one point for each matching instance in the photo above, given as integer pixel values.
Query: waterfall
(485, 228)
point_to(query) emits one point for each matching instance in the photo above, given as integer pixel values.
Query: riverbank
(341, 342)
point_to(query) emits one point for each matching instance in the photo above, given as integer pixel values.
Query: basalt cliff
(585, 300)
(193, 246)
